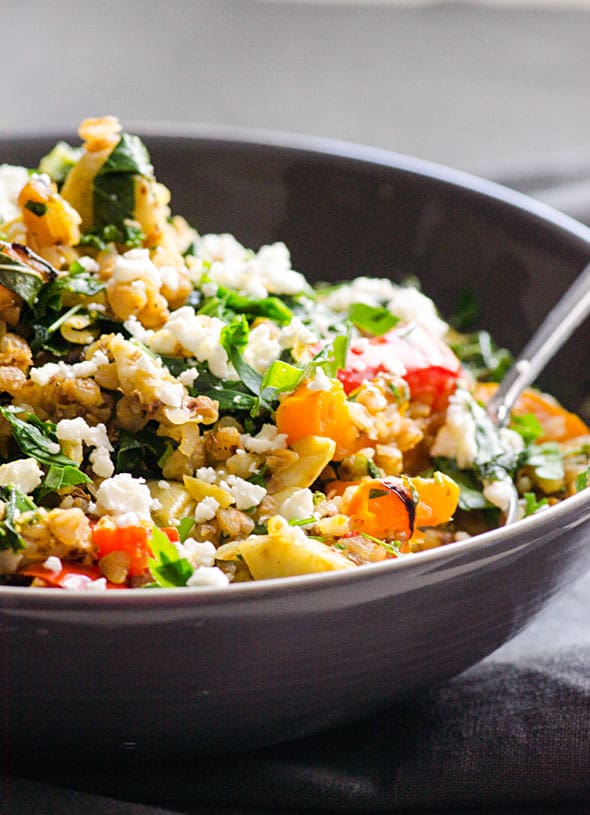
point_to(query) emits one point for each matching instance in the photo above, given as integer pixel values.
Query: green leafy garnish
(58, 163)
(546, 460)
(114, 186)
(471, 496)
(141, 452)
(527, 426)
(37, 439)
(227, 304)
(482, 357)
(38, 208)
(168, 568)
(532, 504)
(15, 502)
(58, 478)
(281, 376)
(375, 320)
(583, 480)
(19, 278)
(184, 528)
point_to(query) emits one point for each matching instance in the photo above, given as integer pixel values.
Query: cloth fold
(503, 734)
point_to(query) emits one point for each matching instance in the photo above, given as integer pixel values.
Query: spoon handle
(563, 319)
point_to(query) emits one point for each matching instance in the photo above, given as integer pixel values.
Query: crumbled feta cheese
(208, 577)
(80, 582)
(54, 564)
(295, 334)
(499, 493)
(207, 474)
(263, 347)
(320, 382)
(198, 553)
(246, 495)
(135, 266)
(456, 438)
(88, 264)
(82, 370)
(267, 439)
(188, 377)
(127, 519)
(101, 463)
(297, 506)
(209, 289)
(24, 474)
(137, 331)
(121, 494)
(196, 335)
(12, 180)
(206, 509)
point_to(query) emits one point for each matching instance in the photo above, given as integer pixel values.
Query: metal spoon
(563, 319)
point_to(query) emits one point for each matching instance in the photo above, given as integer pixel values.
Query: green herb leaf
(19, 278)
(583, 480)
(114, 184)
(547, 461)
(281, 376)
(375, 320)
(532, 505)
(167, 566)
(482, 357)
(184, 528)
(58, 163)
(36, 439)
(527, 426)
(38, 208)
(140, 453)
(15, 502)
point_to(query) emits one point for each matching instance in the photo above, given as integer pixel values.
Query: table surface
(498, 90)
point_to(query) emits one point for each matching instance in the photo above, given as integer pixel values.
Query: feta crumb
(24, 474)
(246, 495)
(122, 494)
(207, 474)
(101, 462)
(208, 577)
(206, 509)
(127, 519)
(188, 376)
(456, 438)
(499, 493)
(135, 266)
(209, 289)
(12, 180)
(298, 506)
(268, 438)
(320, 382)
(198, 553)
(80, 582)
(54, 564)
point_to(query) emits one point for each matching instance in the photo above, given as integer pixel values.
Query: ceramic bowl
(144, 675)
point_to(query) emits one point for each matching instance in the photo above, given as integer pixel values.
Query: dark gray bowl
(148, 675)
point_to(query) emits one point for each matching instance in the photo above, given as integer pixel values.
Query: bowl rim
(573, 509)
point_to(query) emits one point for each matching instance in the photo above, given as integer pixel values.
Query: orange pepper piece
(307, 412)
(557, 422)
(388, 508)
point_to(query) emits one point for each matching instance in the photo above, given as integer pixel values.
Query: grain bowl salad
(177, 410)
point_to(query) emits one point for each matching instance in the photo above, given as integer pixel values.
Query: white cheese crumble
(297, 506)
(78, 432)
(12, 180)
(136, 266)
(499, 492)
(80, 582)
(54, 564)
(206, 509)
(245, 494)
(196, 335)
(320, 382)
(268, 438)
(456, 438)
(24, 474)
(405, 302)
(122, 494)
(208, 577)
(198, 553)
(263, 347)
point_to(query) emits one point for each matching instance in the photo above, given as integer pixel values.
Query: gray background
(501, 90)
(479, 87)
